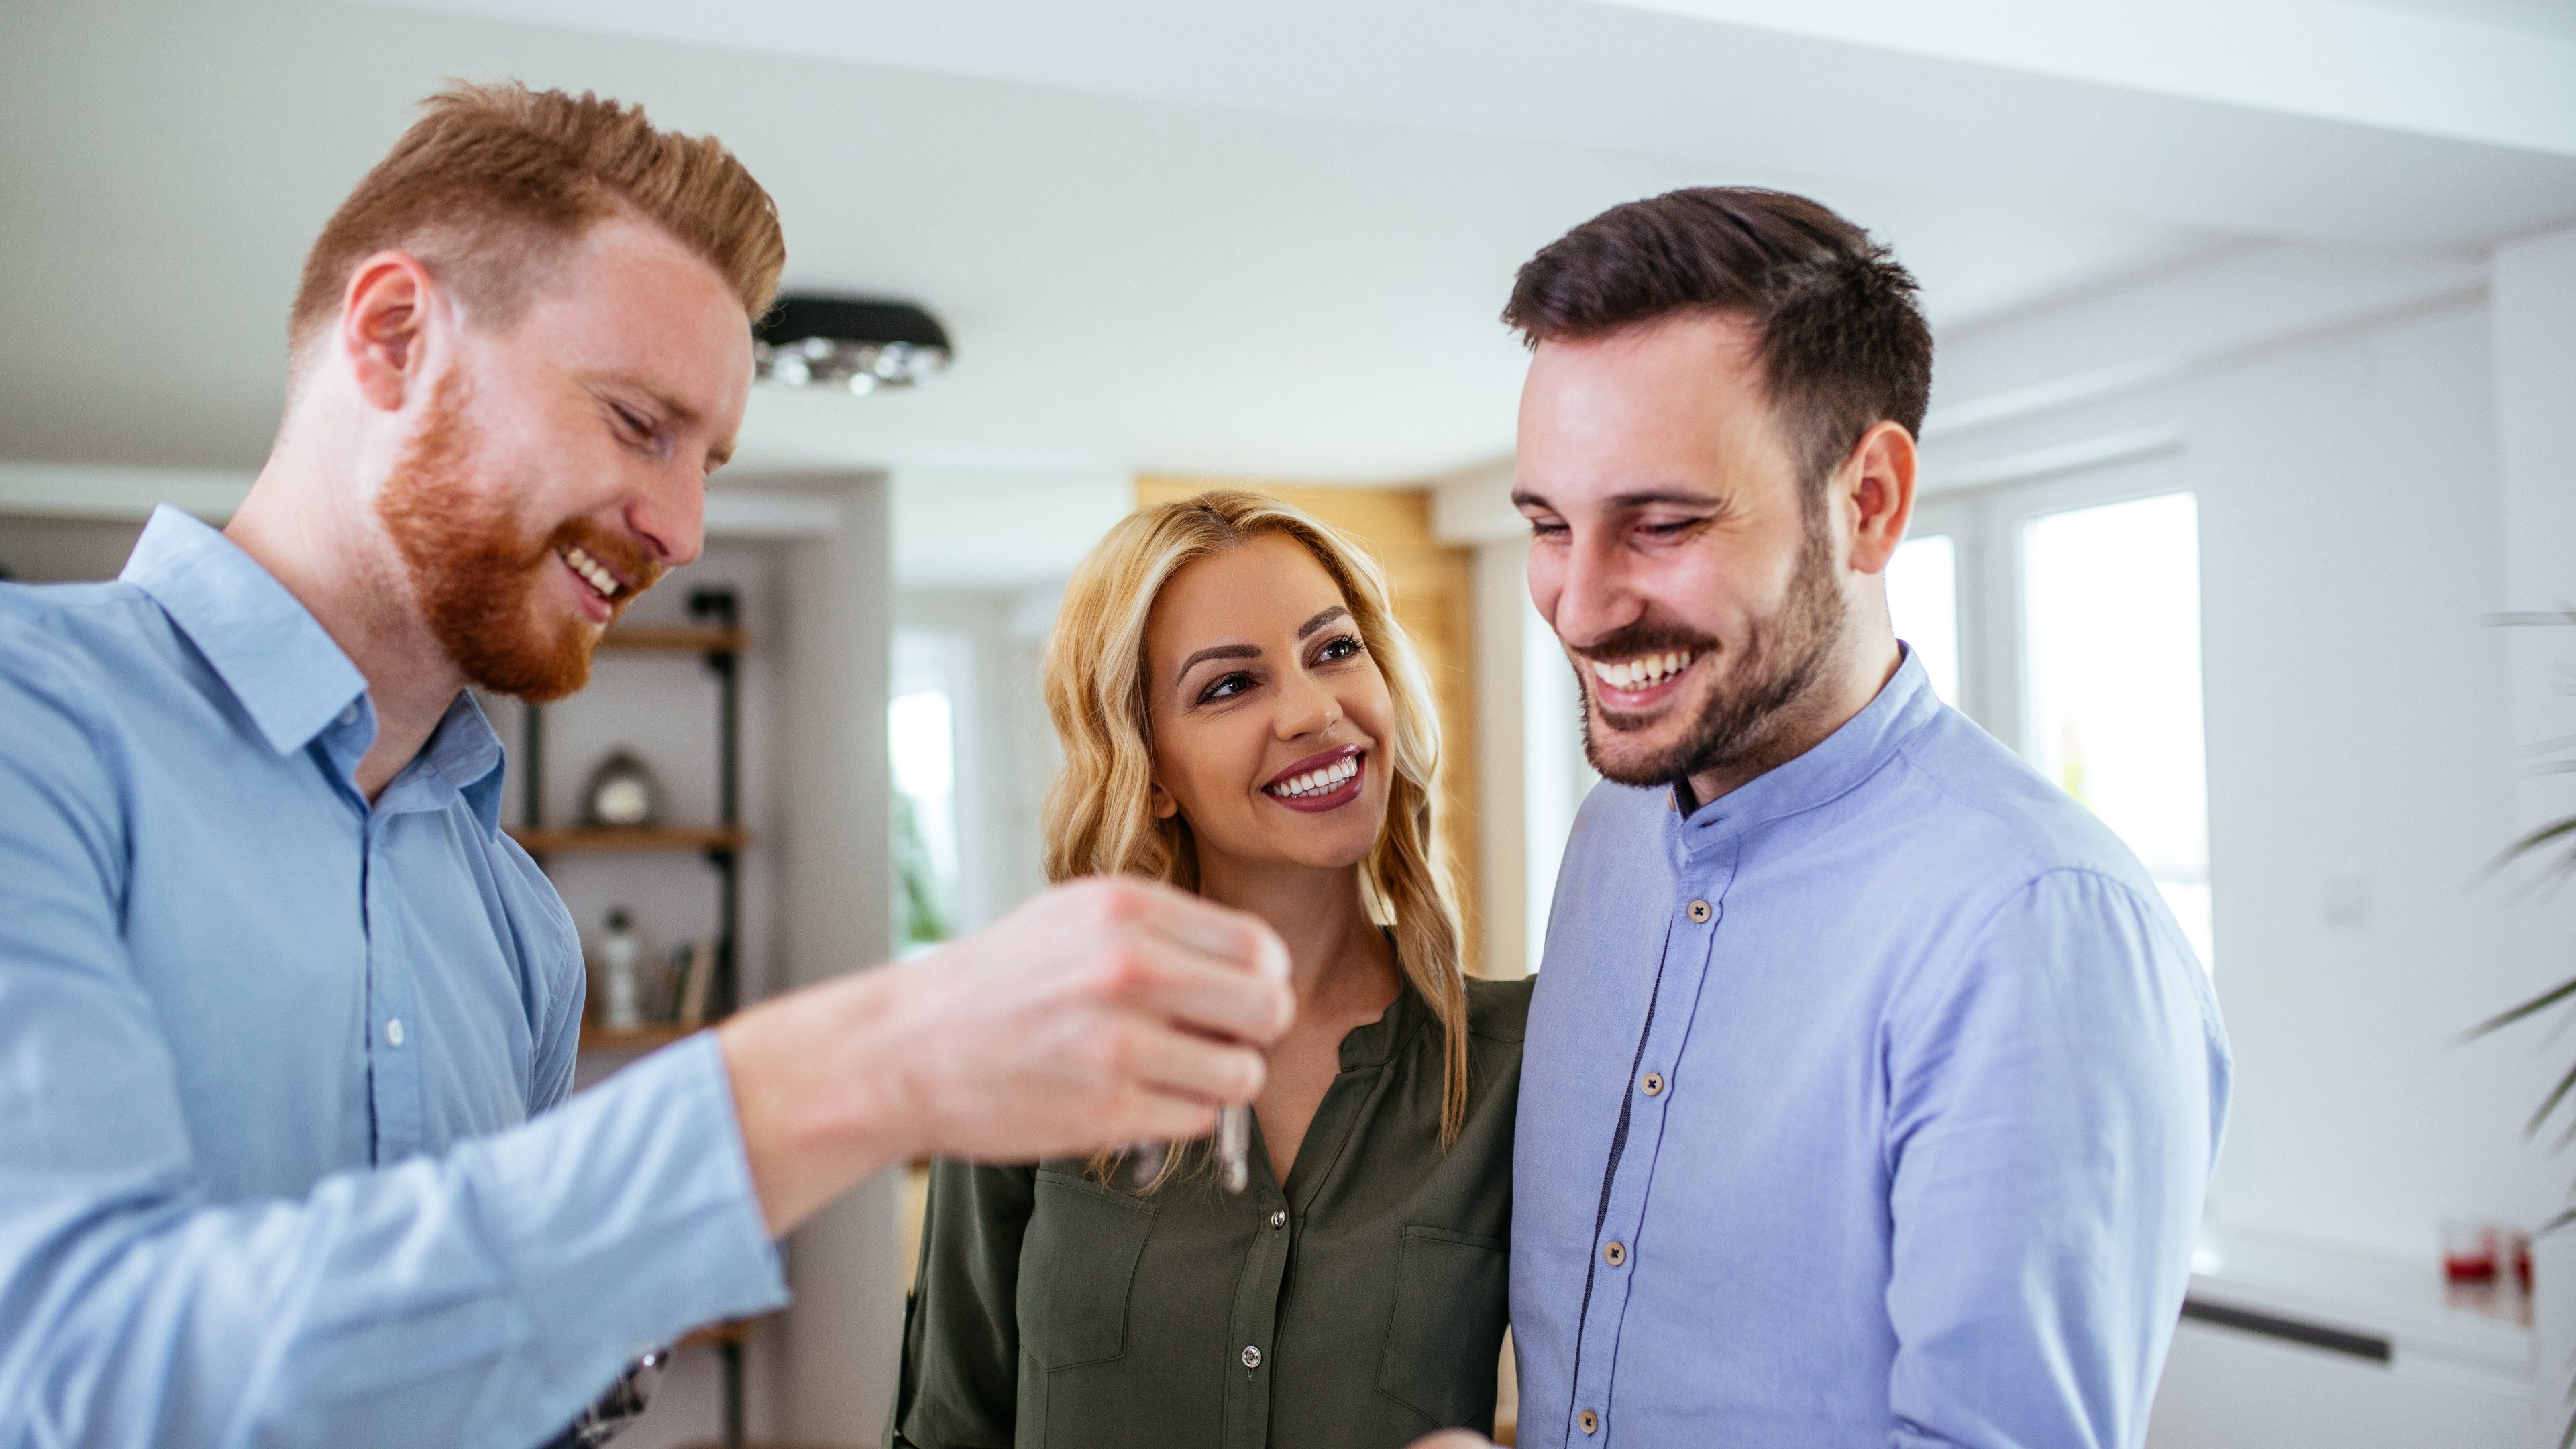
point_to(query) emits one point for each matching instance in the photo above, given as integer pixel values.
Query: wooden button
(1590, 1421)
(1615, 1254)
(1652, 1084)
(1700, 912)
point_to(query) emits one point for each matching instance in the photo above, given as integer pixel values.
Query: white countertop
(2404, 1300)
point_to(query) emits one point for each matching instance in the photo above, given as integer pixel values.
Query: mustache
(1644, 637)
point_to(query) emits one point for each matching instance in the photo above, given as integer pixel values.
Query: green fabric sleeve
(959, 1384)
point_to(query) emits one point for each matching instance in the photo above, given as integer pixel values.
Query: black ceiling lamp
(857, 343)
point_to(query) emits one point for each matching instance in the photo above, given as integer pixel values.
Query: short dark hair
(1842, 343)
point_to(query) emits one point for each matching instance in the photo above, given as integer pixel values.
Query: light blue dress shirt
(1872, 1104)
(272, 1060)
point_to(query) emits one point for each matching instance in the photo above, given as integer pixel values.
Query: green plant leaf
(2554, 830)
(2545, 1000)
(2566, 1084)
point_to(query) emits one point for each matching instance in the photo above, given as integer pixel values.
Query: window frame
(1985, 526)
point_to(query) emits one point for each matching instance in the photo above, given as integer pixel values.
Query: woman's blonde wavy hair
(1099, 814)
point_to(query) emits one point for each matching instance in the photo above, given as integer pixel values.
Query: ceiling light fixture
(848, 342)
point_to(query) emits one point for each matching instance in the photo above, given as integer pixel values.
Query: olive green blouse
(1362, 1305)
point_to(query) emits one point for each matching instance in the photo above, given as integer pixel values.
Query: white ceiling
(1248, 239)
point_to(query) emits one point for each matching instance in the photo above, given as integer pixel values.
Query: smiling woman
(1242, 716)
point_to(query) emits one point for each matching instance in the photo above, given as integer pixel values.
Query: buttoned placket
(1253, 1326)
(397, 1088)
(1705, 863)
(1254, 1323)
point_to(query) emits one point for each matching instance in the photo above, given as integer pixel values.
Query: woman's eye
(1344, 647)
(1225, 686)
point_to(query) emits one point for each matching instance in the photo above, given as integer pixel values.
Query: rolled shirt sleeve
(2054, 1108)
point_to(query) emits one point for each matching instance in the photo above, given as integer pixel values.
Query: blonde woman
(1242, 717)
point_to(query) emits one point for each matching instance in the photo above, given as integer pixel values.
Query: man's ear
(1881, 492)
(384, 325)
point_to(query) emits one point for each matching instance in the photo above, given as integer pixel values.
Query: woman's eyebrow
(1320, 620)
(1221, 651)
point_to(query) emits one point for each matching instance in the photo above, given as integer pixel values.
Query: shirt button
(1279, 1217)
(1615, 1254)
(1700, 912)
(349, 716)
(1590, 1421)
(394, 1032)
(1251, 1356)
(1652, 1084)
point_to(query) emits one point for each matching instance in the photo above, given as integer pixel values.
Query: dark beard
(474, 578)
(1783, 659)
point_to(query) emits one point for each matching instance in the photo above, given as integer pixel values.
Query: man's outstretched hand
(1453, 1439)
(1101, 1013)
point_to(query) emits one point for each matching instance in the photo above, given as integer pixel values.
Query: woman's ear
(1165, 807)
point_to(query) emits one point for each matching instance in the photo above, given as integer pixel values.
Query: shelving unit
(718, 638)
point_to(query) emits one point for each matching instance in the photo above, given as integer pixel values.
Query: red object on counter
(2470, 1252)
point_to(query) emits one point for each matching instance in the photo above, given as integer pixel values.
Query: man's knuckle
(1122, 900)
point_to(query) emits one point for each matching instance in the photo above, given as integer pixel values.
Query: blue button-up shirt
(1871, 1104)
(272, 1058)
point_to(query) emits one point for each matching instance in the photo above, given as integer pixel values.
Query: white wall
(839, 1340)
(2334, 414)
(2535, 373)
(1007, 753)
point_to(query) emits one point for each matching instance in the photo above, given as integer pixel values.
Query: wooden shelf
(680, 639)
(641, 1039)
(659, 837)
(732, 1330)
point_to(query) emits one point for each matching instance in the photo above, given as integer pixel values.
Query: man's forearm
(819, 1089)
(509, 1278)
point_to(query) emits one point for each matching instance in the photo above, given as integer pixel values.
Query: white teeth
(1644, 672)
(1318, 782)
(590, 569)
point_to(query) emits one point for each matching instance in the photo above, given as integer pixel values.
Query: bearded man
(287, 1023)
(1870, 1090)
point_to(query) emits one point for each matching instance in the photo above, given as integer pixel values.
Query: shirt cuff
(628, 1216)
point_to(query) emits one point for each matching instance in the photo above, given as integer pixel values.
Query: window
(2111, 681)
(1923, 599)
(2069, 607)
(921, 745)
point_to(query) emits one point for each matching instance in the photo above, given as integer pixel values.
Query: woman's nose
(1307, 707)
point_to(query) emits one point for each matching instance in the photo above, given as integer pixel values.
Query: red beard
(475, 577)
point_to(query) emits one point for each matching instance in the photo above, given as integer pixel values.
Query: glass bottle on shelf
(622, 963)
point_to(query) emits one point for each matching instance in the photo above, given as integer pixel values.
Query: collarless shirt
(1360, 1306)
(1870, 1104)
(269, 1056)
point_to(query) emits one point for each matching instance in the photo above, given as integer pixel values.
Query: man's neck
(1857, 675)
(317, 535)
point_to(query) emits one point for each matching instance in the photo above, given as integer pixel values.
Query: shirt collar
(1379, 1042)
(284, 668)
(466, 751)
(1846, 757)
(264, 644)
